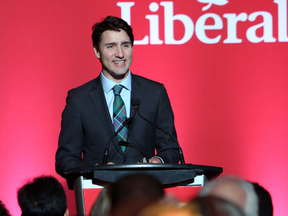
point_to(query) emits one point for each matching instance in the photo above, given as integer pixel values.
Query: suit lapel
(99, 101)
(136, 91)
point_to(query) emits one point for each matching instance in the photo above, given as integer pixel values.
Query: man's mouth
(119, 62)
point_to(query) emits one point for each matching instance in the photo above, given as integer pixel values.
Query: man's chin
(119, 76)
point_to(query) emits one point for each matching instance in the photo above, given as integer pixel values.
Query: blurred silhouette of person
(167, 209)
(3, 210)
(265, 205)
(132, 193)
(234, 190)
(43, 196)
(199, 206)
(102, 205)
(213, 206)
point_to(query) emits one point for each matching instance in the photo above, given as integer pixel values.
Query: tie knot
(117, 89)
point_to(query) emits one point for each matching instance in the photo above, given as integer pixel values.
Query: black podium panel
(169, 175)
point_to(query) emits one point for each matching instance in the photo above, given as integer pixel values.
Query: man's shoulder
(145, 81)
(86, 87)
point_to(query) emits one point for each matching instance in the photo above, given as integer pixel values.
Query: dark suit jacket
(86, 126)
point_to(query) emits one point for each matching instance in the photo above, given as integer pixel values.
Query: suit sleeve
(166, 146)
(69, 152)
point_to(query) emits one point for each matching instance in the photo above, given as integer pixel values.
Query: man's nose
(119, 52)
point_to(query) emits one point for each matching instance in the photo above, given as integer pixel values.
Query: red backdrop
(224, 65)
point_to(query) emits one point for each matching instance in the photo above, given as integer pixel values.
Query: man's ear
(97, 53)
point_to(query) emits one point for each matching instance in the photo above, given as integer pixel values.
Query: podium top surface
(209, 171)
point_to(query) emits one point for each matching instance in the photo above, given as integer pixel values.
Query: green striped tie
(119, 115)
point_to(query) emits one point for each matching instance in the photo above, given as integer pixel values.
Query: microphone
(137, 103)
(106, 151)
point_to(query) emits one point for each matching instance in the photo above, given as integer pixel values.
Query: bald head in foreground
(235, 190)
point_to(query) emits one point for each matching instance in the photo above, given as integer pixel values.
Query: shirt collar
(109, 84)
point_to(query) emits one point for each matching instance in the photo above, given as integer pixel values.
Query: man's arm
(166, 146)
(69, 152)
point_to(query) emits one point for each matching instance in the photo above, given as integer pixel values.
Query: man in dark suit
(88, 120)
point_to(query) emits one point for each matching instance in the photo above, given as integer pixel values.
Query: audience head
(234, 190)
(133, 192)
(265, 206)
(213, 206)
(3, 210)
(166, 209)
(110, 23)
(102, 205)
(43, 196)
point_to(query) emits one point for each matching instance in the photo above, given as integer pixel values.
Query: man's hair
(265, 205)
(43, 196)
(3, 210)
(251, 205)
(110, 23)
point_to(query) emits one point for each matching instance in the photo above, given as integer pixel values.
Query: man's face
(115, 53)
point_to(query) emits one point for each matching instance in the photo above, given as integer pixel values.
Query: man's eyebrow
(111, 43)
(114, 43)
(126, 42)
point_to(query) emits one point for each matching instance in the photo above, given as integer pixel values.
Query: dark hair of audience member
(44, 196)
(265, 206)
(110, 23)
(3, 210)
(134, 192)
(134, 186)
(211, 205)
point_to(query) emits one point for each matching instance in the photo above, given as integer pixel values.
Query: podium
(169, 175)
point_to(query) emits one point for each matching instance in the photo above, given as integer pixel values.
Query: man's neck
(115, 78)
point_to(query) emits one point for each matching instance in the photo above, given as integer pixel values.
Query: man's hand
(155, 160)
(109, 163)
